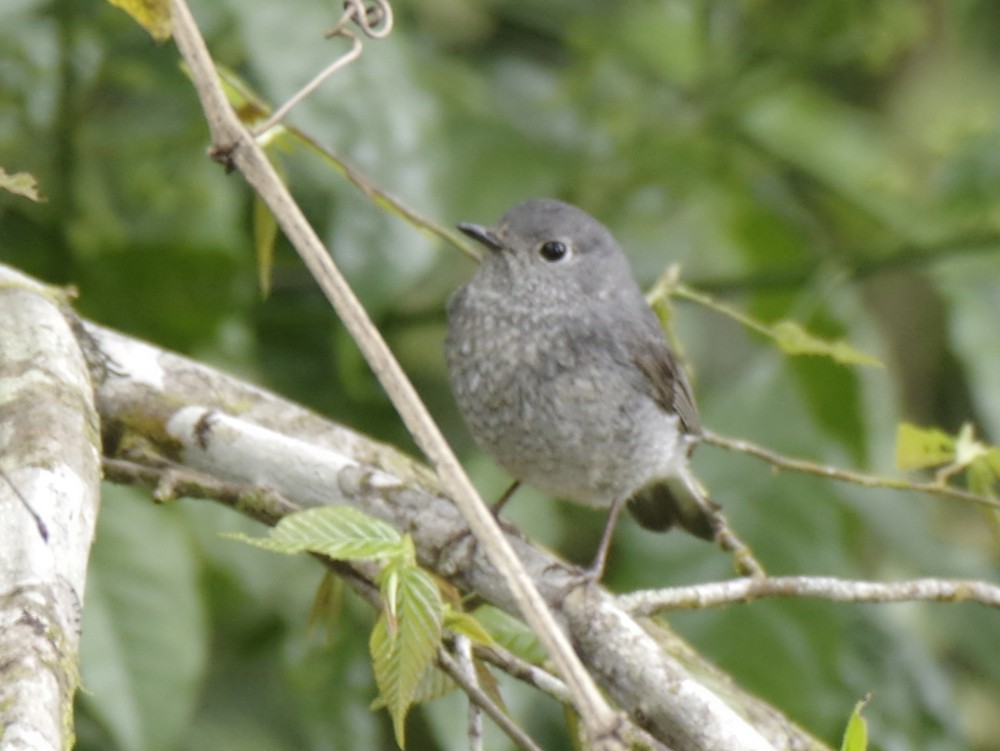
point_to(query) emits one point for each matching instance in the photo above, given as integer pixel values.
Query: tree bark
(49, 491)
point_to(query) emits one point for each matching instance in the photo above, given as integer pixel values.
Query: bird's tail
(673, 502)
(681, 501)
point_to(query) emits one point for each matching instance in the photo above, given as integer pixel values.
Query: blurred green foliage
(832, 161)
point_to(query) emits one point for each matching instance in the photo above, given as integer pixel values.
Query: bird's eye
(553, 251)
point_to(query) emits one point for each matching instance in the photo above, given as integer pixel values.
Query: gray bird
(564, 376)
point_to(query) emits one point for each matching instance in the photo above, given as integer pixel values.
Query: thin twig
(845, 475)
(232, 141)
(547, 683)
(383, 198)
(344, 60)
(374, 20)
(476, 694)
(524, 671)
(171, 482)
(463, 656)
(376, 23)
(833, 589)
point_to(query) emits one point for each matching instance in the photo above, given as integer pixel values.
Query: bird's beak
(482, 235)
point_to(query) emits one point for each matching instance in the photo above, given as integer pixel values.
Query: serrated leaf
(402, 655)
(856, 733)
(466, 625)
(341, 532)
(152, 15)
(21, 184)
(433, 685)
(511, 634)
(919, 448)
(792, 339)
(268, 543)
(390, 597)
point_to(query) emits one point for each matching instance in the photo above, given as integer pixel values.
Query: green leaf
(792, 339)
(403, 647)
(340, 532)
(919, 448)
(467, 625)
(983, 475)
(265, 231)
(152, 15)
(433, 685)
(511, 633)
(249, 106)
(856, 734)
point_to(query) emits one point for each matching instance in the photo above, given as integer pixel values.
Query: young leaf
(339, 532)
(466, 625)
(433, 685)
(401, 655)
(511, 633)
(919, 448)
(268, 543)
(856, 734)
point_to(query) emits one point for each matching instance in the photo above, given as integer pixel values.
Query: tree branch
(479, 697)
(845, 475)
(49, 446)
(650, 602)
(156, 405)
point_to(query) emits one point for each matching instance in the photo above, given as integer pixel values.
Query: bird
(564, 376)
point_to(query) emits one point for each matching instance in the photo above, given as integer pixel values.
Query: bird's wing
(668, 384)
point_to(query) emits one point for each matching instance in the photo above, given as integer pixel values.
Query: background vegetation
(832, 161)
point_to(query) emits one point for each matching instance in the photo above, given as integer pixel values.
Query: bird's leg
(743, 558)
(596, 569)
(497, 507)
